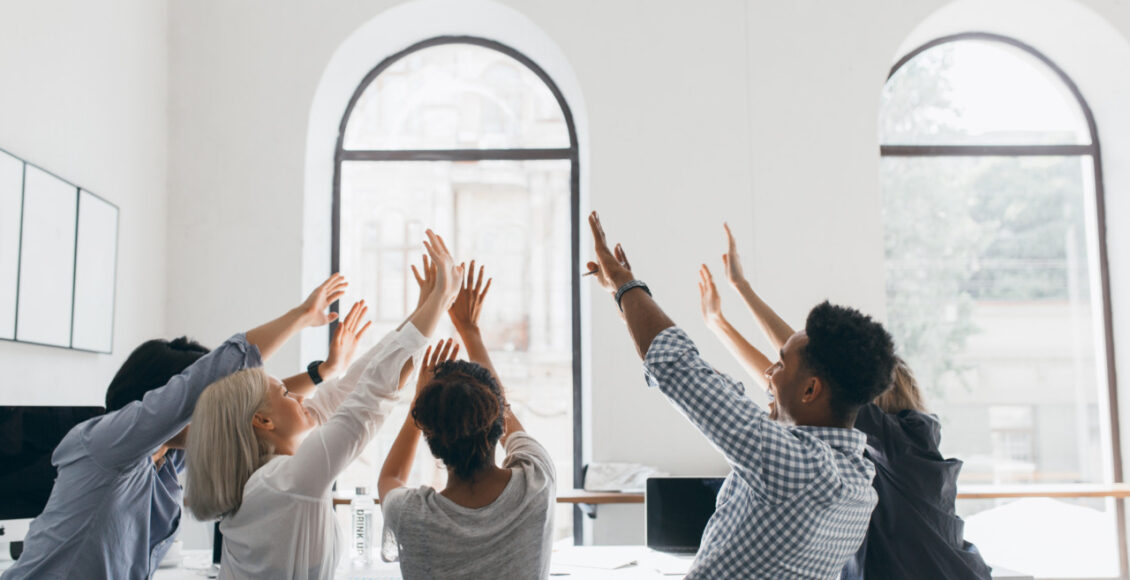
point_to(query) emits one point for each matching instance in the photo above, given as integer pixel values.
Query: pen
(590, 273)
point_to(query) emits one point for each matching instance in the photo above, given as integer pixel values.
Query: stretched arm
(774, 326)
(335, 444)
(346, 337)
(312, 312)
(398, 463)
(464, 315)
(141, 427)
(752, 359)
(644, 316)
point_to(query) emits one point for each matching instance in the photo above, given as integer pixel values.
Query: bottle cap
(361, 491)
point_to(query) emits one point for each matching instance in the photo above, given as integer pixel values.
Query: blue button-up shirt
(798, 500)
(112, 512)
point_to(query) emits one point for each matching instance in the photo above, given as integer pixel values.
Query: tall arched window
(471, 138)
(997, 289)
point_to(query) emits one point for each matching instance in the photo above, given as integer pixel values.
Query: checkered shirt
(798, 499)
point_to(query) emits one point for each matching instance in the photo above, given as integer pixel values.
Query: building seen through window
(467, 140)
(995, 290)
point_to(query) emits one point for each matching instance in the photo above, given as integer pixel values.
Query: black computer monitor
(677, 509)
(28, 437)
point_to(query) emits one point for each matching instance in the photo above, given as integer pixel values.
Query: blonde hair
(223, 448)
(904, 393)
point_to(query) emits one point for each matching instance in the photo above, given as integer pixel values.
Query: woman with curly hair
(489, 521)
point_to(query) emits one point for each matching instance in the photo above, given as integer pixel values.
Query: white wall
(83, 93)
(760, 113)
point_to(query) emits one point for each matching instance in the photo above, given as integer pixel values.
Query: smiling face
(791, 385)
(284, 420)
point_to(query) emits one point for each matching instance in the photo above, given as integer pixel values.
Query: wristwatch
(628, 286)
(312, 370)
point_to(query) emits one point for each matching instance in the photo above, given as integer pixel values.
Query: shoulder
(524, 452)
(405, 504)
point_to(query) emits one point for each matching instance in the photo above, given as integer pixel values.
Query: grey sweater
(510, 538)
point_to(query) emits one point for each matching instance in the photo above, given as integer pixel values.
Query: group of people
(840, 476)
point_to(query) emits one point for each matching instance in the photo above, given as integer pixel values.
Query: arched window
(997, 289)
(471, 138)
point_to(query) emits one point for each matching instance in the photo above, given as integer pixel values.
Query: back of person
(914, 531)
(100, 521)
(758, 529)
(304, 542)
(509, 538)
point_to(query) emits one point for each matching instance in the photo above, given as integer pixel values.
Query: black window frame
(1094, 151)
(570, 153)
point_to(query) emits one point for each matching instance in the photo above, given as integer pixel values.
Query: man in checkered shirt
(798, 501)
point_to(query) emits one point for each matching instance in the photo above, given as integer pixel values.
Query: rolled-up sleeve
(141, 427)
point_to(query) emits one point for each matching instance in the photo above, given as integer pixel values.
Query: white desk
(569, 563)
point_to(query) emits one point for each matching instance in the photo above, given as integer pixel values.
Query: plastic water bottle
(363, 509)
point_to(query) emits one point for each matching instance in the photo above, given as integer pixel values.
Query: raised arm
(398, 463)
(464, 315)
(343, 345)
(751, 359)
(140, 428)
(644, 316)
(334, 390)
(312, 312)
(334, 445)
(774, 326)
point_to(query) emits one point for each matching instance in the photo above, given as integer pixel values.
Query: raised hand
(708, 292)
(730, 259)
(345, 340)
(611, 266)
(449, 276)
(313, 309)
(464, 312)
(444, 351)
(427, 282)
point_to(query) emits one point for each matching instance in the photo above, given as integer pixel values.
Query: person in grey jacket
(116, 504)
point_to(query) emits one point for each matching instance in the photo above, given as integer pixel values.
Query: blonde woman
(263, 460)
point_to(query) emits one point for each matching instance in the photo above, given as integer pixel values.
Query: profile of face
(791, 386)
(284, 420)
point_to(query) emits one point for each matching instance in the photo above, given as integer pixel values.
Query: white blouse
(285, 527)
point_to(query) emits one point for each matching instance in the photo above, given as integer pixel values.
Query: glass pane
(1044, 537)
(994, 300)
(978, 93)
(456, 96)
(513, 217)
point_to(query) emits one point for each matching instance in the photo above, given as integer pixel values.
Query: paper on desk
(593, 557)
(619, 476)
(667, 564)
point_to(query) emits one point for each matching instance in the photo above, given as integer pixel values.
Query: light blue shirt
(112, 513)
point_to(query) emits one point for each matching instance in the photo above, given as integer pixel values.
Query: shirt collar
(850, 441)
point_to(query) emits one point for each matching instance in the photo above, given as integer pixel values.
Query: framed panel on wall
(95, 271)
(11, 200)
(58, 260)
(47, 259)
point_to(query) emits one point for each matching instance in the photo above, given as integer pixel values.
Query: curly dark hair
(850, 352)
(461, 414)
(150, 366)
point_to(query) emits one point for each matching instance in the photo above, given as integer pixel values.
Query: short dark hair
(460, 412)
(850, 352)
(150, 366)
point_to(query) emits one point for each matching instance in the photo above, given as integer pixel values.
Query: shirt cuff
(670, 345)
(251, 356)
(410, 338)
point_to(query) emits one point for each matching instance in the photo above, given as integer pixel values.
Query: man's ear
(813, 390)
(263, 422)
